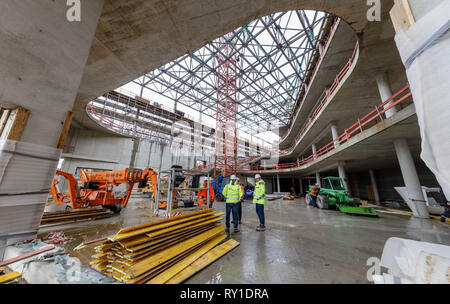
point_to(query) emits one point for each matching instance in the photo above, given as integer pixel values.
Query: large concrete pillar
(314, 149)
(374, 187)
(411, 178)
(343, 174)
(318, 179)
(301, 185)
(385, 91)
(334, 134)
(134, 151)
(278, 183)
(42, 61)
(404, 156)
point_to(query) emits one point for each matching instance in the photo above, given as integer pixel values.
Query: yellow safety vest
(232, 192)
(259, 195)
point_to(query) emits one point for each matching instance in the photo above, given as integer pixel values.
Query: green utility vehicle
(333, 194)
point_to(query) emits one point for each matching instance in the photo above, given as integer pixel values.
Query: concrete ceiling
(135, 37)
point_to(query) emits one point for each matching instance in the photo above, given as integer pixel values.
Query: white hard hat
(233, 177)
(257, 176)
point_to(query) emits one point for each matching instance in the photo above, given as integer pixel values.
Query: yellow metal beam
(164, 255)
(9, 277)
(175, 269)
(204, 261)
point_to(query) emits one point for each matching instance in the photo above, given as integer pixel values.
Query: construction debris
(164, 251)
(57, 238)
(27, 255)
(62, 217)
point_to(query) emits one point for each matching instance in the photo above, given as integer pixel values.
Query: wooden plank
(156, 226)
(141, 247)
(26, 255)
(402, 16)
(18, 124)
(129, 229)
(9, 277)
(184, 225)
(208, 258)
(175, 269)
(4, 120)
(164, 255)
(168, 231)
(64, 130)
(147, 251)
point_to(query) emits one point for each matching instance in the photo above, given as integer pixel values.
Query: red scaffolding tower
(225, 158)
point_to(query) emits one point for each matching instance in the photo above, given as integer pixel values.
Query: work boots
(261, 228)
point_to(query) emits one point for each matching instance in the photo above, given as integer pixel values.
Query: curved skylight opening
(274, 54)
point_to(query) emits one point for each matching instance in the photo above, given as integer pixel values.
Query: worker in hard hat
(233, 194)
(313, 194)
(259, 199)
(203, 194)
(240, 202)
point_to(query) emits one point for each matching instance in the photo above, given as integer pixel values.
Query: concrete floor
(301, 244)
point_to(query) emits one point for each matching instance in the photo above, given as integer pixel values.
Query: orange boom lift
(97, 188)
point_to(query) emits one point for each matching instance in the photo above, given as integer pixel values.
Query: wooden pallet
(62, 217)
(157, 251)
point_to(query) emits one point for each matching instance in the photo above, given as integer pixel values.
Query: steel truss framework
(273, 56)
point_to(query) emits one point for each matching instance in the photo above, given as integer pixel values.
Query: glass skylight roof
(273, 54)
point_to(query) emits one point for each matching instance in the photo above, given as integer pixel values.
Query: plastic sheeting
(411, 261)
(26, 173)
(429, 78)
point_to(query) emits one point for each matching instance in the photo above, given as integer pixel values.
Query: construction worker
(259, 199)
(233, 194)
(240, 203)
(313, 194)
(203, 194)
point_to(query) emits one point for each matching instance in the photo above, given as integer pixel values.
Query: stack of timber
(165, 251)
(60, 217)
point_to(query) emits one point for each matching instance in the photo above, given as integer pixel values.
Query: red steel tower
(225, 158)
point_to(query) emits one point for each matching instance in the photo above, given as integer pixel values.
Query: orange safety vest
(315, 190)
(203, 196)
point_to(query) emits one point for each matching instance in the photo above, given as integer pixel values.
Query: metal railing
(356, 128)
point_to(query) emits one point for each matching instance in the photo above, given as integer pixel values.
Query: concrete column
(411, 178)
(136, 143)
(385, 91)
(334, 134)
(374, 187)
(301, 185)
(342, 174)
(318, 179)
(404, 156)
(43, 58)
(278, 183)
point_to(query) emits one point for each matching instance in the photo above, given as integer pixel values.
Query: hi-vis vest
(259, 195)
(232, 192)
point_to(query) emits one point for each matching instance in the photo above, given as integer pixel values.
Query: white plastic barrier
(417, 262)
(424, 49)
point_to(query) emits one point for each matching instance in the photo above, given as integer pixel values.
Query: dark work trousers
(240, 211)
(260, 213)
(231, 208)
(313, 200)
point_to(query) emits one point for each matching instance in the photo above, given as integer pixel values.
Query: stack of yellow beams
(163, 251)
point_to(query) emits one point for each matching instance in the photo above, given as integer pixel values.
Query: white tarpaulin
(424, 49)
(410, 261)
